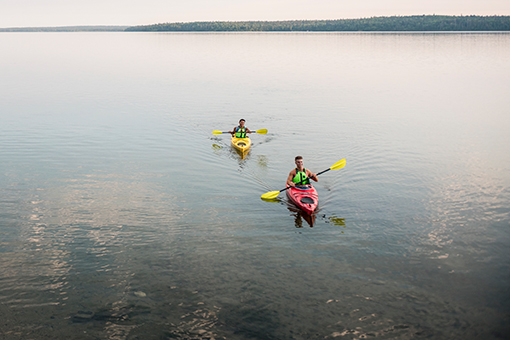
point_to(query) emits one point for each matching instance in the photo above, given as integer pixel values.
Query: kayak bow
(241, 144)
(304, 196)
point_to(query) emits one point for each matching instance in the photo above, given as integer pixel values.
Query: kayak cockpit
(307, 200)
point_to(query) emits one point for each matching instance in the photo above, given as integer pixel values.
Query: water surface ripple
(123, 217)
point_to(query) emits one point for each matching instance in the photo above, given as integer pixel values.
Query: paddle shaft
(260, 131)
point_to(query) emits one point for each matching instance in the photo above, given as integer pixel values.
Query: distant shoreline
(416, 23)
(67, 29)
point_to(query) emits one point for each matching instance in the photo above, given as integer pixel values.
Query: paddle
(260, 132)
(273, 194)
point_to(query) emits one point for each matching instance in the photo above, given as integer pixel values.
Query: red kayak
(304, 196)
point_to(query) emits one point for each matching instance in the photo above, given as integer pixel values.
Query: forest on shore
(394, 23)
(382, 24)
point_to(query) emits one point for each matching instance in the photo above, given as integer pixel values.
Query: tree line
(394, 23)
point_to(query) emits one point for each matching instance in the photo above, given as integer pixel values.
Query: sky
(42, 13)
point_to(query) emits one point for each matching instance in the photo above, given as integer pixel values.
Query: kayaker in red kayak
(300, 175)
(240, 131)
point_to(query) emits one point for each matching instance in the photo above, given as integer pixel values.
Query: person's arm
(233, 131)
(312, 175)
(289, 179)
(248, 130)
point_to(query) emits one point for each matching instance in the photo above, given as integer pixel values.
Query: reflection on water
(232, 152)
(262, 161)
(242, 154)
(337, 221)
(300, 215)
(271, 200)
(310, 220)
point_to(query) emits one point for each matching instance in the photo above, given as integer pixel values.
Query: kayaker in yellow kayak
(240, 131)
(300, 175)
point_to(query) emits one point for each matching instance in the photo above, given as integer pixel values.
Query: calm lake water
(123, 217)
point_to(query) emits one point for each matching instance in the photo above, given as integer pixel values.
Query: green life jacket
(240, 133)
(301, 178)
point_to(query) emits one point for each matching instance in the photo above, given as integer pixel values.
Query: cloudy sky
(35, 13)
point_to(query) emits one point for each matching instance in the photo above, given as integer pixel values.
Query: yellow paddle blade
(338, 165)
(217, 132)
(261, 131)
(271, 200)
(270, 195)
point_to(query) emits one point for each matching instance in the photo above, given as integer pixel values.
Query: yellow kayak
(241, 144)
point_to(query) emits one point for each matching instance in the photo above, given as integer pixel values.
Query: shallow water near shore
(123, 217)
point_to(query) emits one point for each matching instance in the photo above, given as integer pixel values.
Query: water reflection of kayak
(300, 215)
(241, 144)
(304, 197)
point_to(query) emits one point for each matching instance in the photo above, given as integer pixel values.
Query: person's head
(299, 161)
(241, 122)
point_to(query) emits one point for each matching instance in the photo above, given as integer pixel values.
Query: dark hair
(298, 157)
(241, 120)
